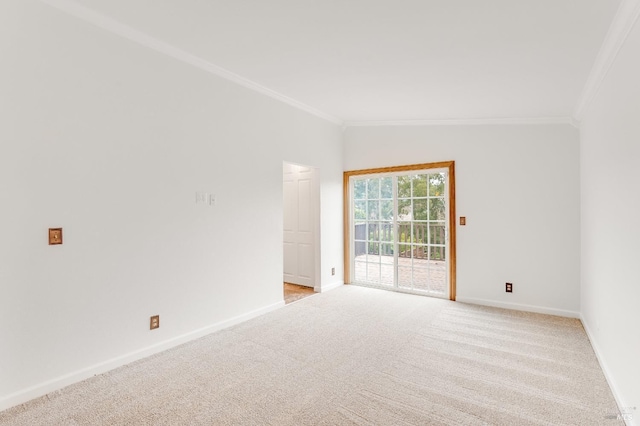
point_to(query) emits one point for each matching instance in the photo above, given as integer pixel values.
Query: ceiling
(382, 60)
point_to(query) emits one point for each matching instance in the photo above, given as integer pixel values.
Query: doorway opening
(400, 228)
(295, 292)
(301, 229)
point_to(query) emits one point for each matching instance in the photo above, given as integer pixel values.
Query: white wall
(610, 175)
(111, 141)
(518, 186)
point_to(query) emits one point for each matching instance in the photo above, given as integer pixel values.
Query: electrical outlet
(508, 287)
(333, 271)
(154, 322)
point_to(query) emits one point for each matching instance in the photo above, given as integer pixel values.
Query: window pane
(359, 189)
(373, 208)
(360, 271)
(420, 183)
(373, 189)
(436, 184)
(420, 233)
(413, 251)
(437, 209)
(373, 233)
(419, 252)
(404, 186)
(404, 210)
(386, 210)
(420, 209)
(386, 188)
(373, 272)
(386, 274)
(386, 232)
(436, 233)
(404, 251)
(386, 252)
(438, 253)
(360, 210)
(421, 278)
(404, 232)
(360, 231)
(404, 277)
(438, 277)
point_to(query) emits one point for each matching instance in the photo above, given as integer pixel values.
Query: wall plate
(154, 322)
(55, 236)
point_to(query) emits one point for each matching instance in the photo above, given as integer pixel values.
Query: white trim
(520, 307)
(44, 388)
(77, 10)
(575, 123)
(621, 26)
(464, 122)
(605, 368)
(328, 287)
(84, 13)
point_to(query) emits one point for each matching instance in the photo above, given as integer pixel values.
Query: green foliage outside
(421, 200)
(420, 197)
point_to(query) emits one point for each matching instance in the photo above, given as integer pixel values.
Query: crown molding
(100, 20)
(465, 122)
(623, 22)
(621, 26)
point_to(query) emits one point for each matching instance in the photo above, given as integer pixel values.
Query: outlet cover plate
(154, 322)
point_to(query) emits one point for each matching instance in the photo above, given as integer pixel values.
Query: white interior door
(299, 184)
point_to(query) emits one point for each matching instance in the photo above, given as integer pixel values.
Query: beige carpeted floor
(353, 356)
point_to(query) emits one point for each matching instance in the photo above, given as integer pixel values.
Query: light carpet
(353, 356)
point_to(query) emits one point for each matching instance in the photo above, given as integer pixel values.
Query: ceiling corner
(621, 26)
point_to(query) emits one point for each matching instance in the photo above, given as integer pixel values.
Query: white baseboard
(327, 287)
(607, 375)
(44, 388)
(520, 307)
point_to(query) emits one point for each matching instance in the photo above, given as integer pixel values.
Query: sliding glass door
(399, 231)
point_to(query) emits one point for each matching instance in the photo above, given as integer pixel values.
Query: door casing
(450, 166)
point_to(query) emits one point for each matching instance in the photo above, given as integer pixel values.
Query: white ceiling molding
(79, 11)
(621, 26)
(624, 20)
(465, 122)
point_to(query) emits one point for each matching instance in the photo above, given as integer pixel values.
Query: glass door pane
(400, 231)
(372, 235)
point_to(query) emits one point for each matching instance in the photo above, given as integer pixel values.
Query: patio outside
(420, 275)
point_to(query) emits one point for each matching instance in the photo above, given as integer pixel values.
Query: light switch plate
(463, 220)
(55, 236)
(201, 197)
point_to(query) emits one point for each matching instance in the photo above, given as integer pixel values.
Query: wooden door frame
(450, 166)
